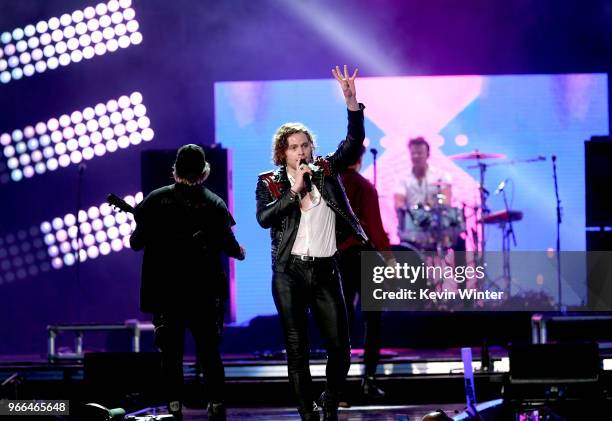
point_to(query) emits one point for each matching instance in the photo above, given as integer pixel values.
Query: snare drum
(415, 226)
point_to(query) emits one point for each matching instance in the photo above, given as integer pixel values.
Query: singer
(306, 224)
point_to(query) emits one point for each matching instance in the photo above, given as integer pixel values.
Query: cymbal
(477, 155)
(502, 216)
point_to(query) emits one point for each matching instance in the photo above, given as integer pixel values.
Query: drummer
(425, 185)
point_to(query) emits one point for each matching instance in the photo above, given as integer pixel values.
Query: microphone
(501, 186)
(307, 180)
(373, 151)
(554, 158)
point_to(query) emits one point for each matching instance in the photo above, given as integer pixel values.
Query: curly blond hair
(280, 141)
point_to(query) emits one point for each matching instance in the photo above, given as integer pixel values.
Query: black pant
(170, 337)
(313, 285)
(350, 268)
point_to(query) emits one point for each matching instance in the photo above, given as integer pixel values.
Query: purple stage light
(93, 212)
(28, 171)
(109, 221)
(144, 122)
(9, 151)
(80, 129)
(61, 235)
(53, 251)
(45, 227)
(116, 245)
(89, 240)
(69, 220)
(60, 148)
(24, 160)
(105, 249)
(100, 236)
(77, 16)
(54, 243)
(76, 117)
(104, 121)
(69, 259)
(111, 234)
(33, 146)
(64, 161)
(92, 252)
(85, 227)
(135, 138)
(64, 40)
(74, 137)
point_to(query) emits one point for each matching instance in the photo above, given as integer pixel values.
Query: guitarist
(183, 229)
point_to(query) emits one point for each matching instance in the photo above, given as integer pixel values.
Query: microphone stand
(374, 153)
(507, 235)
(484, 193)
(559, 220)
(484, 210)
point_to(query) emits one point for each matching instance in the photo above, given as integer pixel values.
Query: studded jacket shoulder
(279, 210)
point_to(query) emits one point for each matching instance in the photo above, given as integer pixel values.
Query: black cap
(190, 161)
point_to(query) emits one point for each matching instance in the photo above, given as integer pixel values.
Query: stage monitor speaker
(559, 371)
(598, 179)
(114, 375)
(599, 270)
(560, 361)
(599, 240)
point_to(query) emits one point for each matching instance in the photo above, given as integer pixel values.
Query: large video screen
(526, 118)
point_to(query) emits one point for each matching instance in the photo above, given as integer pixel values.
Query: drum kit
(436, 227)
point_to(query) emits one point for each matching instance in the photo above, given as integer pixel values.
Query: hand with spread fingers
(347, 83)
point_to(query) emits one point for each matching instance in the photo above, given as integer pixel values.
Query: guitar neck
(119, 203)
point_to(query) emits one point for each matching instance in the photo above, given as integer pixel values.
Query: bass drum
(427, 227)
(413, 257)
(452, 224)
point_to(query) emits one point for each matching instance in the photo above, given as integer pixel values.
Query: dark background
(190, 44)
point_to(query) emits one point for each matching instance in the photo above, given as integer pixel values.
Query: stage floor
(358, 413)
(415, 381)
(393, 362)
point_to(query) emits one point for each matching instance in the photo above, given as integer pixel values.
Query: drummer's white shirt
(422, 192)
(316, 234)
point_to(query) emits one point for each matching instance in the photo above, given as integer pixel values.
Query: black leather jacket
(279, 210)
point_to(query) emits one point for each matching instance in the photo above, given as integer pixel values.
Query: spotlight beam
(347, 38)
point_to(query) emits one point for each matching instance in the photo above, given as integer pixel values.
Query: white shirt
(421, 191)
(316, 234)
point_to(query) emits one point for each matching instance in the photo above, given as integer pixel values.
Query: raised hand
(347, 83)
